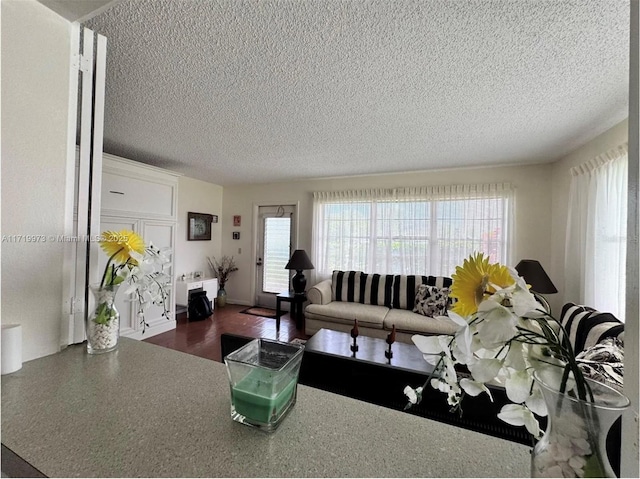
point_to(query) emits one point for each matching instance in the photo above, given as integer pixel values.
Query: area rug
(259, 311)
(298, 341)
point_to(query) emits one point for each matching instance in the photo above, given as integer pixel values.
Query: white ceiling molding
(78, 11)
(234, 92)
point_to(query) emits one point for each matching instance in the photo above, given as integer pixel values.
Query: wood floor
(202, 338)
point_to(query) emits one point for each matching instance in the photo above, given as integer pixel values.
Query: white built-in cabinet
(144, 199)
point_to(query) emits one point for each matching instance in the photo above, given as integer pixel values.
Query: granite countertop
(145, 410)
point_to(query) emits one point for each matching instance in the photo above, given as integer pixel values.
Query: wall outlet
(239, 250)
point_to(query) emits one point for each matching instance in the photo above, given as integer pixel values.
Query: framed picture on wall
(199, 228)
(237, 220)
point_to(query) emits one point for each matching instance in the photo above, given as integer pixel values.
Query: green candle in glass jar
(258, 398)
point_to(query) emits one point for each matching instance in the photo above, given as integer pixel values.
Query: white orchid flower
(524, 302)
(413, 394)
(432, 347)
(498, 325)
(518, 386)
(452, 389)
(516, 356)
(484, 370)
(518, 415)
(130, 289)
(462, 349)
(474, 388)
(536, 402)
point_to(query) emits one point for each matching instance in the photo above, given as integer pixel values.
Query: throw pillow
(604, 362)
(431, 300)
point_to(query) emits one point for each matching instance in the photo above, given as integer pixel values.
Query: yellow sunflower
(472, 282)
(121, 244)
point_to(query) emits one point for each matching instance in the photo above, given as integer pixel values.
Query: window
(426, 230)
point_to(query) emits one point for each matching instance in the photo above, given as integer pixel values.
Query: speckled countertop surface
(145, 410)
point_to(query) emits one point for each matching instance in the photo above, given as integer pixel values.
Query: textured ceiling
(234, 92)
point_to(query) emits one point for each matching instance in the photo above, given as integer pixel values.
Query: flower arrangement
(139, 266)
(504, 336)
(222, 269)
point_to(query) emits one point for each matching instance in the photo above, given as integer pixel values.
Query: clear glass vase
(574, 443)
(222, 297)
(103, 324)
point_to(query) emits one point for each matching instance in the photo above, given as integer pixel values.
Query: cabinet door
(162, 235)
(135, 196)
(128, 323)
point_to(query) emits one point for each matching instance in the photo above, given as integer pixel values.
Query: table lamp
(535, 276)
(299, 261)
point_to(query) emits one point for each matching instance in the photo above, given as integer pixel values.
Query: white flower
(462, 347)
(518, 415)
(498, 324)
(506, 339)
(524, 303)
(516, 356)
(518, 386)
(413, 394)
(147, 282)
(484, 370)
(432, 347)
(473, 388)
(536, 403)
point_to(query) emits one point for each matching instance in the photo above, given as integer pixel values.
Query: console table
(186, 287)
(148, 411)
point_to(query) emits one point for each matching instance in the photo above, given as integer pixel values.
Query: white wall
(533, 205)
(197, 197)
(35, 107)
(560, 203)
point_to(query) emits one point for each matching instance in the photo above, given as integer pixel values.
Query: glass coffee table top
(372, 350)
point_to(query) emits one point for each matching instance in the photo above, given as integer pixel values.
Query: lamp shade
(299, 261)
(535, 275)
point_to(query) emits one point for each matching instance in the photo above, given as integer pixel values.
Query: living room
(539, 230)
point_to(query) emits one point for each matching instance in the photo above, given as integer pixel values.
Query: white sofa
(377, 301)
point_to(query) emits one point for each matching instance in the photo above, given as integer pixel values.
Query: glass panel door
(277, 245)
(275, 239)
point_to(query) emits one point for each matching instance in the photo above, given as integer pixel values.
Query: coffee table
(406, 357)
(329, 364)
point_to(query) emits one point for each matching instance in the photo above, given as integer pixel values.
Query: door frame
(255, 227)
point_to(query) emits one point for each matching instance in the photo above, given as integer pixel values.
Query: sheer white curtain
(595, 249)
(424, 230)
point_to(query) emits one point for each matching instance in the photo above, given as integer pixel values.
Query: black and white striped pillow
(345, 286)
(377, 289)
(405, 288)
(358, 287)
(586, 327)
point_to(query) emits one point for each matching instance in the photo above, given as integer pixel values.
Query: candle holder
(391, 338)
(354, 335)
(263, 377)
